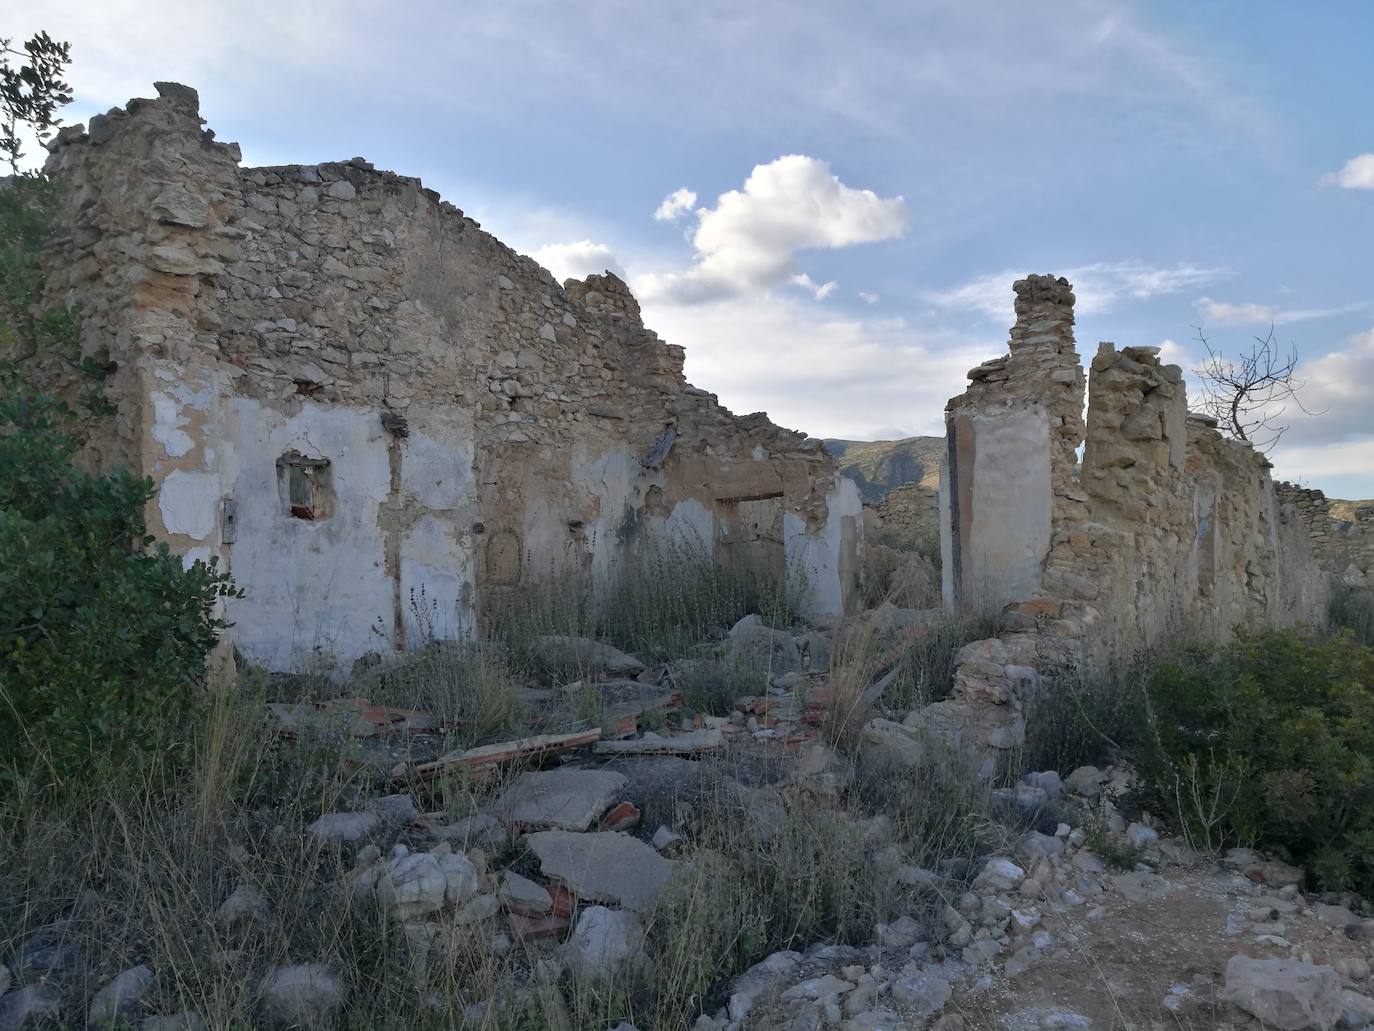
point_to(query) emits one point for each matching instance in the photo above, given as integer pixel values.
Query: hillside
(877, 466)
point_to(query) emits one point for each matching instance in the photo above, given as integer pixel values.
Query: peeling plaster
(167, 423)
(187, 501)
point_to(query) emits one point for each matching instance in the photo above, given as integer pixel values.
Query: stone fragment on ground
(411, 885)
(244, 905)
(605, 866)
(306, 995)
(1285, 993)
(28, 1007)
(521, 895)
(120, 997)
(349, 828)
(583, 654)
(763, 978)
(563, 799)
(753, 645)
(605, 945)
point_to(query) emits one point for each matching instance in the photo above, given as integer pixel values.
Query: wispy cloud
(1224, 313)
(820, 291)
(1098, 288)
(750, 239)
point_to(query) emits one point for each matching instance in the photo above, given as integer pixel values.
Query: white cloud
(1349, 464)
(820, 291)
(1355, 174)
(1335, 390)
(1098, 288)
(675, 205)
(841, 374)
(749, 240)
(1227, 314)
(867, 297)
(1173, 353)
(577, 260)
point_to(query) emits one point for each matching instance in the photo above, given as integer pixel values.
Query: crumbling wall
(909, 515)
(1011, 442)
(379, 416)
(1167, 528)
(1341, 532)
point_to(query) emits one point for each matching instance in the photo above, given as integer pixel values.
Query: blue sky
(1182, 163)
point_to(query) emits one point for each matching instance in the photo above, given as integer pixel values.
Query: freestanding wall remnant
(1166, 526)
(1342, 532)
(382, 419)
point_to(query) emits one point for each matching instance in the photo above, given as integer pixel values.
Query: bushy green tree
(103, 636)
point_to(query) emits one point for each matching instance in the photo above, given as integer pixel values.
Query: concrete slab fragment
(606, 866)
(566, 799)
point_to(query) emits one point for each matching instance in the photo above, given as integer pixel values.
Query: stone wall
(1166, 530)
(908, 516)
(1341, 532)
(381, 417)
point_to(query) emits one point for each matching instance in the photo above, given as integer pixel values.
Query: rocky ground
(558, 852)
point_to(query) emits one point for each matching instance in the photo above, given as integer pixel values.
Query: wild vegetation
(83, 686)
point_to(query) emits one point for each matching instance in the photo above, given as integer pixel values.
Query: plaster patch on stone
(186, 500)
(167, 423)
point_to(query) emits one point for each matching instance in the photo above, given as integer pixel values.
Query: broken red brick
(563, 903)
(621, 818)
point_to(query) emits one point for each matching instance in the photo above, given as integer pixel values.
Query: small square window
(304, 485)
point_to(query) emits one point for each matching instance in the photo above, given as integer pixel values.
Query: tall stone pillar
(1012, 440)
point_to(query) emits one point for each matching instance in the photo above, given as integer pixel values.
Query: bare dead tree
(1249, 395)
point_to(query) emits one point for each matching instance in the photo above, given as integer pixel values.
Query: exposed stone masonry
(1342, 532)
(1168, 528)
(469, 425)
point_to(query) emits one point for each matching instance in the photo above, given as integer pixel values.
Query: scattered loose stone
(604, 943)
(583, 654)
(27, 1006)
(120, 997)
(343, 827)
(1284, 993)
(412, 885)
(302, 995)
(245, 904)
(522, 895)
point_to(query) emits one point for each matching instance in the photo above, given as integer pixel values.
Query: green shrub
(102, 640)
(1269, 741)
(1083, 719)
(1352, 608)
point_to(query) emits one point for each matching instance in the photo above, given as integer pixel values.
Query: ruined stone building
(1342, 532)
(366, 406)
(1167, 531)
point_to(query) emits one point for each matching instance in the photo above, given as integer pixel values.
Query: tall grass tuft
(660, 603)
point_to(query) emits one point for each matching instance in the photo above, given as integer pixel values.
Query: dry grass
(137, 873)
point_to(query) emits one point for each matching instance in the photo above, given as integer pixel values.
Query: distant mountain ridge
(878, 466)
